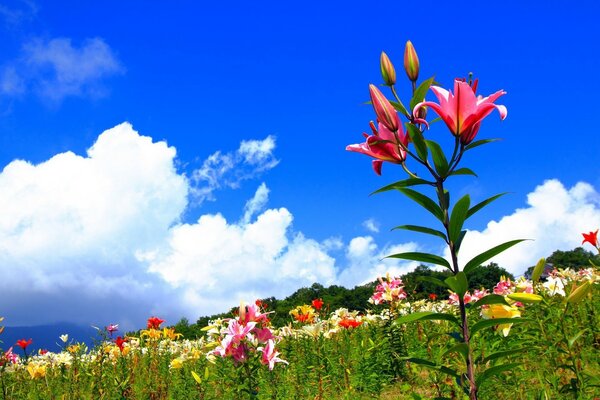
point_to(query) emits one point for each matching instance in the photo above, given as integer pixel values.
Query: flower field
(549, 349)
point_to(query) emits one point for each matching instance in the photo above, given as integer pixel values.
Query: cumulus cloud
(55, 69)
(229, 170)
(554, 218)
(72, 224)
(98, 238)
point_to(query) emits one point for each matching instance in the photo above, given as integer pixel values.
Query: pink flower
(504, 287)
(263, 334)
(383, 145)
(386, 113)
(462, 111)
(269, 355)
(239, 331)
(112, 328)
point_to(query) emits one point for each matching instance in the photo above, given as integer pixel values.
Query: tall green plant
(409, 146)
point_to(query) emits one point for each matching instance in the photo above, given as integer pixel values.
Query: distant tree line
(335, 297)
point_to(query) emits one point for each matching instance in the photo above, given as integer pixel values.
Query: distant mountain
(47, 336)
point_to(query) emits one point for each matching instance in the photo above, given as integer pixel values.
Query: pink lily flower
(462, 111)
(239, 331)
(383, 145)
(269, 355)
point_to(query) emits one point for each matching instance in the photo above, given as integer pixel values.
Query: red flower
(22, 343)
(432, 296)
(349, 323)
(120, 342)
(591, 238)
(154, 322)
(317, 304)
(43, 351)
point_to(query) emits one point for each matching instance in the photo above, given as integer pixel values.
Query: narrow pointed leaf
(458, 283)
(538, 270)
(505, 353)
(490, 299)
(400, 107)
(416, 137)
(458, 241)
(573, 339)
(463, 171)
(487, 323)
(439, 158)
(422, 257)
(495, 370)
(420, 92)
(479, 143)
(422, 229)
(460, 348)
(458, 217)
(427, 316)
(484, 203)
(424, 202)
(429, 364)
(486, 255)
(402, 184)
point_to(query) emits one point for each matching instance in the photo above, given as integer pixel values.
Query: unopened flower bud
(387, 70)
(386, 114)
(411, 62)
(422, 114)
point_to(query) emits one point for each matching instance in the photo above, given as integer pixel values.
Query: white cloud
(256, 203)
(371, 225)
(72, 224)
(554, 220)
(99, 238)
(228, 170)
(55, 69)
(366, 261)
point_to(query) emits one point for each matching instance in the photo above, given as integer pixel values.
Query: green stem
(461, 304)
(571, 356)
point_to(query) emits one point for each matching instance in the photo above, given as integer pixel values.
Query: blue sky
(230, 180)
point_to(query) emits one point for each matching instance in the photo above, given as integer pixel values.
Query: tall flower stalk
(463, 112)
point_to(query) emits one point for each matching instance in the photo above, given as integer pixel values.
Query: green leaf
(490, 299)
(538, 270)
(424, 202)
(484, 203)
(402, 184)
(423, 257)
(439, 158)
(479, 143)
(505, 353)
(458, 217)
(417, 138)
(487, 323)
(460, 348)
(433, 280)
(525, 297)
(486, 255)
(427, 316)
(400, 107)
(420, 92)
(458, 241)
(574, 338)
(458, 283)
(495, 370)
(422, 229)
(432, 365)
(463, 171)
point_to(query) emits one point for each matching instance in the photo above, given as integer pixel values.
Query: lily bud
(411, 62)
(387, 70)
(386, 114)
(578, 293)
